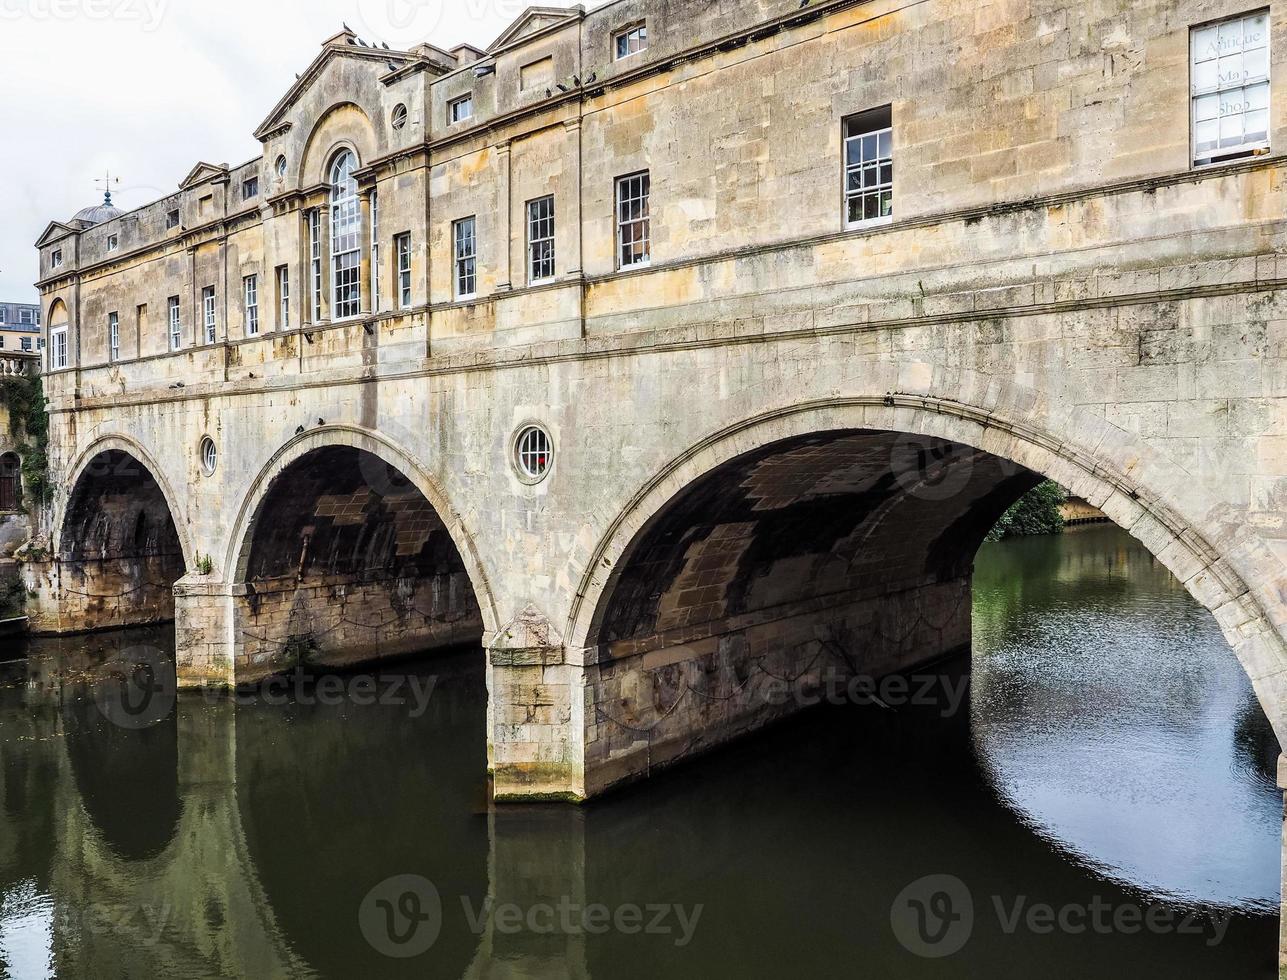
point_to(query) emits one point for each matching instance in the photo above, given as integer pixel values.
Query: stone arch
(118, 548)
(345, 125)
(1134, 485)
(386, 476)
(129, 447)
(58, 315)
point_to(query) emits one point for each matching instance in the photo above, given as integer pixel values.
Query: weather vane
(107, 180)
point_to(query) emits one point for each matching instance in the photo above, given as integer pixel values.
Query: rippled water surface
(1110, 755)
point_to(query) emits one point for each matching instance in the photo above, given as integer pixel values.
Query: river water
(1101, 803)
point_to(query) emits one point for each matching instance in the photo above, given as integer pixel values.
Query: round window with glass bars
(209, 456)
(533, 453)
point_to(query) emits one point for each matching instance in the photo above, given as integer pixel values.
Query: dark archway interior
(829, 514)
(10, 482)
(348, 561)
(119, 552)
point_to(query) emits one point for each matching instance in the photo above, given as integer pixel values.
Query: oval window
(533, 453)
(209, 456)
(281, 166)
(399, 116)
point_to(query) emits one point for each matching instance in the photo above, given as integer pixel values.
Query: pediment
(53, 232)
(346, 44)
(202, 173)
(535, 19)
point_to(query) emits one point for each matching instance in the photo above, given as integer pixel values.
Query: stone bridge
(734, 433)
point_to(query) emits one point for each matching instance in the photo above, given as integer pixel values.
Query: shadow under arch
(118, 548)
(646, 531)
(342, 519)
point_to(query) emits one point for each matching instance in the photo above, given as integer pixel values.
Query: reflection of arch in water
(404, 794)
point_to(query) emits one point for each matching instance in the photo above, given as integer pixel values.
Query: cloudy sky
(146, 88)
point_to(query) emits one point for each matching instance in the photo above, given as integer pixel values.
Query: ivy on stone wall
(24, 397)
(13, 595)
(1037, 512)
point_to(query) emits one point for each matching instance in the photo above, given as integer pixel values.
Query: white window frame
(113, 242)
(636, 187)
(283, 297)
(315, 259)
(541, 265)
(346, 239)
(375, 251)
(1229, 76)
(56, 260)
(58, 348)
(26, 344)
(113, 337)
(27, 316)
(3, 313)
(630, 41)
(174, 318)
(403, 245)
(249, 188)
(868, 171)
(250, 291)
(209, 314)
(464, 250)
(460, 109)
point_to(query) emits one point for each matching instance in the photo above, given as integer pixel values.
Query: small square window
(632, 40)
(57, 258)
(249, 188)
(113, 242)
(458, 110)
(171, 220)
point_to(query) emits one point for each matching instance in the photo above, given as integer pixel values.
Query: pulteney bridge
(663, 372)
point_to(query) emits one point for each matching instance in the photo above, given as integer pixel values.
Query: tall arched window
(346, 220)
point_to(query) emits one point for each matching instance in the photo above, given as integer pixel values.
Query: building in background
(20, 327)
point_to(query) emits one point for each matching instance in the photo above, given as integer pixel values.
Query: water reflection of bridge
(251, 835)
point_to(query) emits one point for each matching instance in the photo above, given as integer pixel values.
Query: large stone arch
(130, 447)
(345, 125)
(366, 448)
(1225, 566)
(119, 543)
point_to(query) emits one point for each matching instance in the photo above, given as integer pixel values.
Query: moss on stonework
(13, 595)
(1037, 512)
(24, 397)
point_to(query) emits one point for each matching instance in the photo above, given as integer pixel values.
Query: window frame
(317, 283)
(172, 219)
(851, 134)
(283, 297)
(644, 221)
(453, 117)
(1247, 148)
(346, 238)
(56, 259)
(113, 242)
(209, 314)
(638, 28)
(402, 248)
(464, 264)
(250, 303)
(374, 247)
(250, 188)
(174, 323)
(535, 240)
(113, 337)
(59, 358)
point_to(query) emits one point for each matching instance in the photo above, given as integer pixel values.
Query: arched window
(345, 238)
(10, 482)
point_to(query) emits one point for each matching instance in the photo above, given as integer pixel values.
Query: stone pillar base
(203, 647)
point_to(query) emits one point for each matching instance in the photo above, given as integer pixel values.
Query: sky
(146, 88)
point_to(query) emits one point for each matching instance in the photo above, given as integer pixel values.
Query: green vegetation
(13, 596)
(1036, 513)
(24, 397)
